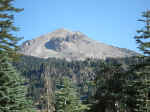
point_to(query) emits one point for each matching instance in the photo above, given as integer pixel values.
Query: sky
(113, 22)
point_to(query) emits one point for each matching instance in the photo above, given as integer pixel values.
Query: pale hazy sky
(109, 21)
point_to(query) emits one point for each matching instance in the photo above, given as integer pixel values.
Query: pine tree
(144, 34)
(110, 80)
(12, 89)
(67, 99)
(8, 41)
(137, 88)
(141, 79)
(48, 96)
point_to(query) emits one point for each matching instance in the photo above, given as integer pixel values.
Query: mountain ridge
(71, 45)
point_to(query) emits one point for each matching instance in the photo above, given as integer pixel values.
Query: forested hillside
(83, 74)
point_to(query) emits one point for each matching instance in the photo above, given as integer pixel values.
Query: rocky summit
(71, 45)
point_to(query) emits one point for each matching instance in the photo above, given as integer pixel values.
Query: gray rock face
(71, 46)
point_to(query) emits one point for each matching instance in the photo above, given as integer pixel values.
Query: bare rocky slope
(71, 46)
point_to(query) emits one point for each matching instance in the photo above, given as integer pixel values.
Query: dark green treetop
(67, 99)
(12, 89)
(144, 34)
(8, 41)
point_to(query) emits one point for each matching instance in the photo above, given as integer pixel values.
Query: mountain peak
(70, 45)
(62, 30)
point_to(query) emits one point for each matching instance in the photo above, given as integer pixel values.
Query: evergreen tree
(110, 79)
(12, 89)
(140, 82)
(67, 99)
(48, 93)
(144, 34)
(137, 88)
(8, 41)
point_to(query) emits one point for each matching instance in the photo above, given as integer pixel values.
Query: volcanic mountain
(71, 45)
